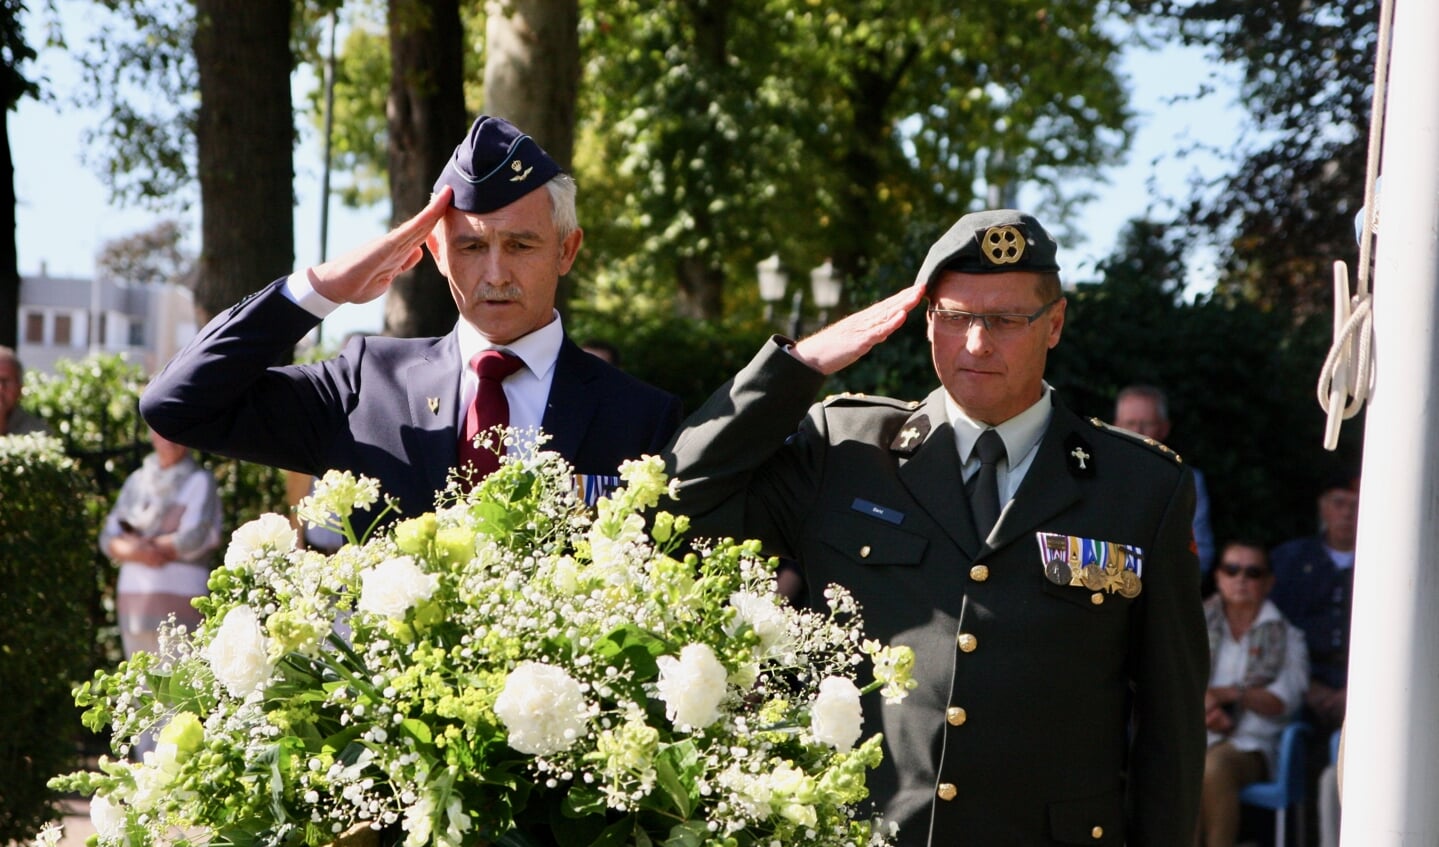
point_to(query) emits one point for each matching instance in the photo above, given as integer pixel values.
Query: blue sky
(64, 216)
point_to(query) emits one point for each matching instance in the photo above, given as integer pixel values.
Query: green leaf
(638, 647)
(687, 834)
(675, 768)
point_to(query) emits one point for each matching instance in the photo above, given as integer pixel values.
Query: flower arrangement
(513, 668)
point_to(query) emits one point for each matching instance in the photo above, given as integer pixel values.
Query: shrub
(45, 624)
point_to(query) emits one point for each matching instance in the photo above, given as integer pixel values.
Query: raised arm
(366, 272)
(845, 342)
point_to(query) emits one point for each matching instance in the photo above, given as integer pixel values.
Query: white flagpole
(1391, 765)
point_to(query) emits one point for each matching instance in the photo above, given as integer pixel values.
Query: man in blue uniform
(503, 230)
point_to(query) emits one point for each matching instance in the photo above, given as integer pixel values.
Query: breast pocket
(867, 541)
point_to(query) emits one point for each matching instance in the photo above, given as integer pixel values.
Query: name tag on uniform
(875, 510)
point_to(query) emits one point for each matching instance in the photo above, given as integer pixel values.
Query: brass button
(955, 715)
(1096, 598)
(864, 552)
(947, 791)
(979, 573)
(1097, 833)
(967, 643)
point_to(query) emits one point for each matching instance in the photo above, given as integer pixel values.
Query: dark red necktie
(489, 410)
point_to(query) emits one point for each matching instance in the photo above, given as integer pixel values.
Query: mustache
(506, 293)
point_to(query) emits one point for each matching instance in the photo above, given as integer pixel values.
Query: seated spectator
(1259, 668)
(1315, 590)
(13, 419)
(162, 530)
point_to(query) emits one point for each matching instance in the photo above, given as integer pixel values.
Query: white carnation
(542, 707)
(692, 687)
(107, 818)
(763, 615)
(394, 586)
(269, 533)
(239, 654)
(835, 717)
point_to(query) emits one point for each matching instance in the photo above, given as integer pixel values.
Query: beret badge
(1002, 245)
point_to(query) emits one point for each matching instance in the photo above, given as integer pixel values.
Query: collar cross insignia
(1078, 456)
(434, 404)
(909, 439)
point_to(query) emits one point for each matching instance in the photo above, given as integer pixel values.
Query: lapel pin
(1081, 461)
(909, 438)
(434, 404)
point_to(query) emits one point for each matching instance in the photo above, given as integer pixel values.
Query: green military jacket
(1062, 661)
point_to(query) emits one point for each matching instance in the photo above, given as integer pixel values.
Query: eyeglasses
(1249, 571)
(956, 322)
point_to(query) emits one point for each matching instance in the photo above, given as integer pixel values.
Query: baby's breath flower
(516, 631)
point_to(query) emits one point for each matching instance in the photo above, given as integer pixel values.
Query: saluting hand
(367, 271)
(844, 342)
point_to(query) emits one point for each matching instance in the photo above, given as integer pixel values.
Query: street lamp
(772, 282)
(825, 286)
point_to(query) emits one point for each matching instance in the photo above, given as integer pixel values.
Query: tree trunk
(426, 120)
(532, 69)
(701, 290)
(532, 76)
(245, 138)
(9, 254)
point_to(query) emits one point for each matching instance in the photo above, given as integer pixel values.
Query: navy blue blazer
(385, 407)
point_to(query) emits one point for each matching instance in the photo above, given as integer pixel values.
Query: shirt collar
(1020, 433)
(539, 350)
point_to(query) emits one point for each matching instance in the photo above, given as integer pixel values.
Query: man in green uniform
(1061, 652)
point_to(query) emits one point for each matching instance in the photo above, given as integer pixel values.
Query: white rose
(239, 655)
(835, 717)
(542, 707)
(692, 687)
(394, 586)
(107, 818)
(268, 533)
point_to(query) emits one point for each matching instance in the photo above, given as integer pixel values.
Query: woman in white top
(1259, 670)
(163, 529)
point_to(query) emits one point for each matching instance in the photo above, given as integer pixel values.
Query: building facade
(71, 318)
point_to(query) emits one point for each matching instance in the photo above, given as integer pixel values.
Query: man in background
(13, 419)
(1314, 588)
(1144, 409)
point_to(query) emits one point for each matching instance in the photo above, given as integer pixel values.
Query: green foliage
(687, 357)
(45, 625)
(1286, 213)
(92, 407)
(1240, 380)
(715, 134)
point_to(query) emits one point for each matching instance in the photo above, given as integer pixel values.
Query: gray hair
(562, 189)
(1151, 393)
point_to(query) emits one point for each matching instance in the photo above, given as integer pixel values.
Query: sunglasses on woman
(1248, 571)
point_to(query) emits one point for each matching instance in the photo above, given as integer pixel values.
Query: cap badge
(1003, 245)
(520, 171)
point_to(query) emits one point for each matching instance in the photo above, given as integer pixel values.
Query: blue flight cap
(991, 242)
(494, 166)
